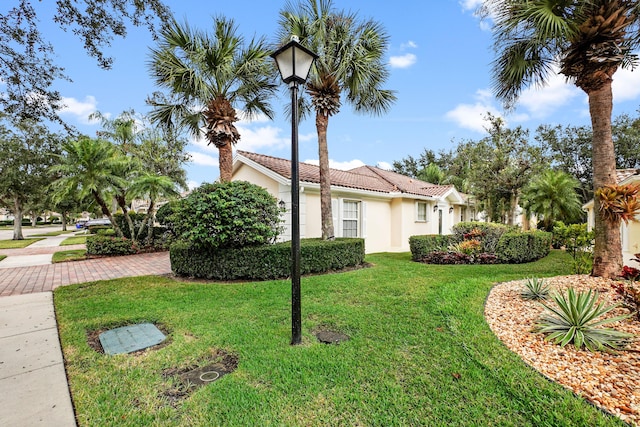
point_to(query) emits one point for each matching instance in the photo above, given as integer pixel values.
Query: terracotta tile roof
(364, 178)
(623, 174)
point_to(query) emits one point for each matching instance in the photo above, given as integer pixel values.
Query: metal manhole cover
(130, 338)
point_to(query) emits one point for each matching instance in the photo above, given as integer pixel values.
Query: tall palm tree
(588, 41)
(350, 66)
(88, 167)
(553, 196)
(208, 77)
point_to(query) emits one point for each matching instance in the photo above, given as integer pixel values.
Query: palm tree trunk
(322, 122)
(17, 219)
(122, 202)
(225, 154)
(107, 212)
(607, 255)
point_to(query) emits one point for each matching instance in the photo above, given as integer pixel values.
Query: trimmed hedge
(265, 262)
(517, 248)
(423, 245)
(108, 245)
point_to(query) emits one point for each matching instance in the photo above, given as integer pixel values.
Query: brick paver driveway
(42, 278)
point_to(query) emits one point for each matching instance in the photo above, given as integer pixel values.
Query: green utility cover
(130, 338)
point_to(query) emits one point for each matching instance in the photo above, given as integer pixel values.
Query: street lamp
(294, 62)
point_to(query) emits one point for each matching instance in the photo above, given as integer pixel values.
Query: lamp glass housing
(294, 62)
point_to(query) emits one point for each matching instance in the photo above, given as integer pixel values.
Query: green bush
(488, 233)
(423, 245)
(137, 219)
(99, 229)
(108, 245)
(516, 248)
(164, 214)
(266, 261)
(227, 215)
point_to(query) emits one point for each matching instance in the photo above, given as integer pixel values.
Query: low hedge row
(511, 248)
(110, 245)
(516, 248)
(265, 262)
(423, 245)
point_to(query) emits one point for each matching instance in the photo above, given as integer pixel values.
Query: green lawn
(17, 244)
(2, 257)
(71, 255)
(420, 352)
(75, 240)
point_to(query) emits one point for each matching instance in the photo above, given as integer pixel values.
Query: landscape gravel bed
(609, 381)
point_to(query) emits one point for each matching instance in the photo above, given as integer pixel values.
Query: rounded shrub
(227, 215)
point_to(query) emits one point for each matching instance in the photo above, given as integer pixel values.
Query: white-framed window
(350, 218)
(422, 212)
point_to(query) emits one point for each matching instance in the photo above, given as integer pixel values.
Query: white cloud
(470, 4)
(351, 164)
(542, 102)
(385, 165)
(203, 159)
(472, 116)
(403, 61)
(193, 184)
(262, 137)
(626, 85)
(81, 109)
(410, 44)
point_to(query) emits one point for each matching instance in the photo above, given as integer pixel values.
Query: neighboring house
(383, 207)
(629, 233)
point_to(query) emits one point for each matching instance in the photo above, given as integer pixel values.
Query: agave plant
(574, 320)
(535, 289)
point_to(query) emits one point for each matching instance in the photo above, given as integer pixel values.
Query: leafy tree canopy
(27, 66)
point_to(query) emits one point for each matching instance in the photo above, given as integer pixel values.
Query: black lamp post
(294, 62)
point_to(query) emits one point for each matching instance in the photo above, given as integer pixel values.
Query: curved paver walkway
(43, 278)
(42, 250)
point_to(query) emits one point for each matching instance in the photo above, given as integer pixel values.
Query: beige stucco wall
(245, 173)
(631, 244)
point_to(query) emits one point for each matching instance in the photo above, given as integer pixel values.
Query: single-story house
(383, 207)
(629, 233)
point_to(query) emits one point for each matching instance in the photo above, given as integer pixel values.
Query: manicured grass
(420, 351)
(16, 244)
(75, 240)
(71, 255)
(2, 257)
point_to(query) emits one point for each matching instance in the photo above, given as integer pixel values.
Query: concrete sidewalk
(33, 381)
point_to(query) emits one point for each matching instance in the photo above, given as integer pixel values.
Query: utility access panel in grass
(128, 339)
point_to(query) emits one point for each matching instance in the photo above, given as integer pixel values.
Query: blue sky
(439, 59)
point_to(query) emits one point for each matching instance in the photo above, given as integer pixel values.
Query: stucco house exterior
(629, 233)
(383, 207)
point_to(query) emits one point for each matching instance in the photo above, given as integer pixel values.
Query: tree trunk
(63, 218)
(607, 254)
(149, 221)
(322, 122)
(225, 154)
(107, 212)
(122, 202)
(34, 219)
(17, 219)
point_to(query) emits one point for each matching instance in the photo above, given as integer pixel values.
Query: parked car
(100, 221)
(80, 223)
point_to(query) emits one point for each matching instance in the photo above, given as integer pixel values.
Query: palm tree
(588, 41)
(208, 76)
(350, 66)
(553, 196)
(89, 167)
(152, 187)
